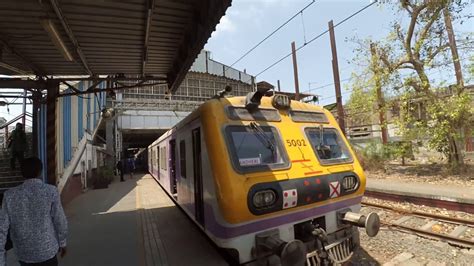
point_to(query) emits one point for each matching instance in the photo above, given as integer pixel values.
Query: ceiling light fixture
(53, 33)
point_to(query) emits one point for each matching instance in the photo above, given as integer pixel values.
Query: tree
(404, 61)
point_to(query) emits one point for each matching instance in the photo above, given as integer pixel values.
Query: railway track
(452, 205)
(456, 231)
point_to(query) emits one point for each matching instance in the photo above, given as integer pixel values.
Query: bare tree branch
(440, 49)
(426, 29)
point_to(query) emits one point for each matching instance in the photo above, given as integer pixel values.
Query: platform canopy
(158, 38)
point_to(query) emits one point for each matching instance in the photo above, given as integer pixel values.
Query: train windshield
(255, 147)
(328, 145)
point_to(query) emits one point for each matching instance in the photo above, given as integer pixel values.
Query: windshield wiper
(324, 151)
(262, 137)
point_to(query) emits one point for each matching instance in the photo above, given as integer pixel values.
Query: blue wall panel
(42, 139)
(95, 110)
(80, 114)
(88, 112)
(67, 152)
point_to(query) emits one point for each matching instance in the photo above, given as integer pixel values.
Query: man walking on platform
(33, 215)
(17, 145)
(131, 166)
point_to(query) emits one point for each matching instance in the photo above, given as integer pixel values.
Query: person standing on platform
(33, 214)
(120, 167)
(17, 144)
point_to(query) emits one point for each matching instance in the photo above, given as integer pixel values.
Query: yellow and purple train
(267, 179)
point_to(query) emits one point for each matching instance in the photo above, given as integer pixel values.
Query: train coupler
(289, 253)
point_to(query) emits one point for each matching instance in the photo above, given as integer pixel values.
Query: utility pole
(278, 82)
(337, 82)
(295, 71)
(457, 68)
(378, 88)
(454, 50)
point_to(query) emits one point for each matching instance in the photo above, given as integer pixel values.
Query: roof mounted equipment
(252, 101)
(222, 93)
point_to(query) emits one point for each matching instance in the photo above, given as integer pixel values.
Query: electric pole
(295, 71)
(337, 82)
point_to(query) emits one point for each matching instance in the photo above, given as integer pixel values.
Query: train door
(157, 160)
(173, 182)
(197, 167)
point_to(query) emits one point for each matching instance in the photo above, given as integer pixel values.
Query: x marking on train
(335, 189)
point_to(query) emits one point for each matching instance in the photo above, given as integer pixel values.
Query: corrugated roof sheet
(110, 36)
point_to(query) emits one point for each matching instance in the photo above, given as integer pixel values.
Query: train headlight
(280, 101)
(264, 198)
(349, 182)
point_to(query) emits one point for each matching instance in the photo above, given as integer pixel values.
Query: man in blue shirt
(33, 213)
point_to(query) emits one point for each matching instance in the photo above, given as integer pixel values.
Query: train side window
(158, 157)
(182, 158)
(165, 159)
(161, 157)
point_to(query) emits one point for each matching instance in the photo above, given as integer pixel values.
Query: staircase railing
(7, 124)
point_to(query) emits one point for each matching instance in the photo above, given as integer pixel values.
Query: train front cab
(292, 190)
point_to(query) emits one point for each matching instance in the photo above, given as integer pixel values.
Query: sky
(248, 21)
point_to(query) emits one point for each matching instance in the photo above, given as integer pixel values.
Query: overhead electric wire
(326, 85)
(271, 34)
(316, 37)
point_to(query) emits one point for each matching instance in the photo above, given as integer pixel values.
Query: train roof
(266, 103)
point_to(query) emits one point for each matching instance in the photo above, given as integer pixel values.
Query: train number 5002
(296, 142)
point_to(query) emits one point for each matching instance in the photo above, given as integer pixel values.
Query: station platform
(455, 194)
(132, 223)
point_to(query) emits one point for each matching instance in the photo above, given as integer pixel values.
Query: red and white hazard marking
(290, 198)
(334, 189)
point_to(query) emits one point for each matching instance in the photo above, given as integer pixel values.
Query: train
(270, 180)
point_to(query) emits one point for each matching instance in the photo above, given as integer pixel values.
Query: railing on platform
(5, 131)
(161, 105)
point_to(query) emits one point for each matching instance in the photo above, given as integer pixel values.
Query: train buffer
(132, 223)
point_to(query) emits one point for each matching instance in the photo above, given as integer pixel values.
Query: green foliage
(360, 106)
(449, 115)
(402, 64)
(375, 155)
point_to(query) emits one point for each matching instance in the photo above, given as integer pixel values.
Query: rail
(458, 236)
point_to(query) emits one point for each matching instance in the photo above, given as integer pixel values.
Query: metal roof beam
(149, 16)
(139, 84)
(28, 63)
(197, 33)
(113, 79)
(70, 34)
(22, 84)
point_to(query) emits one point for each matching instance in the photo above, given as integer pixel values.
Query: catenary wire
(315, 38)
(271, 34)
